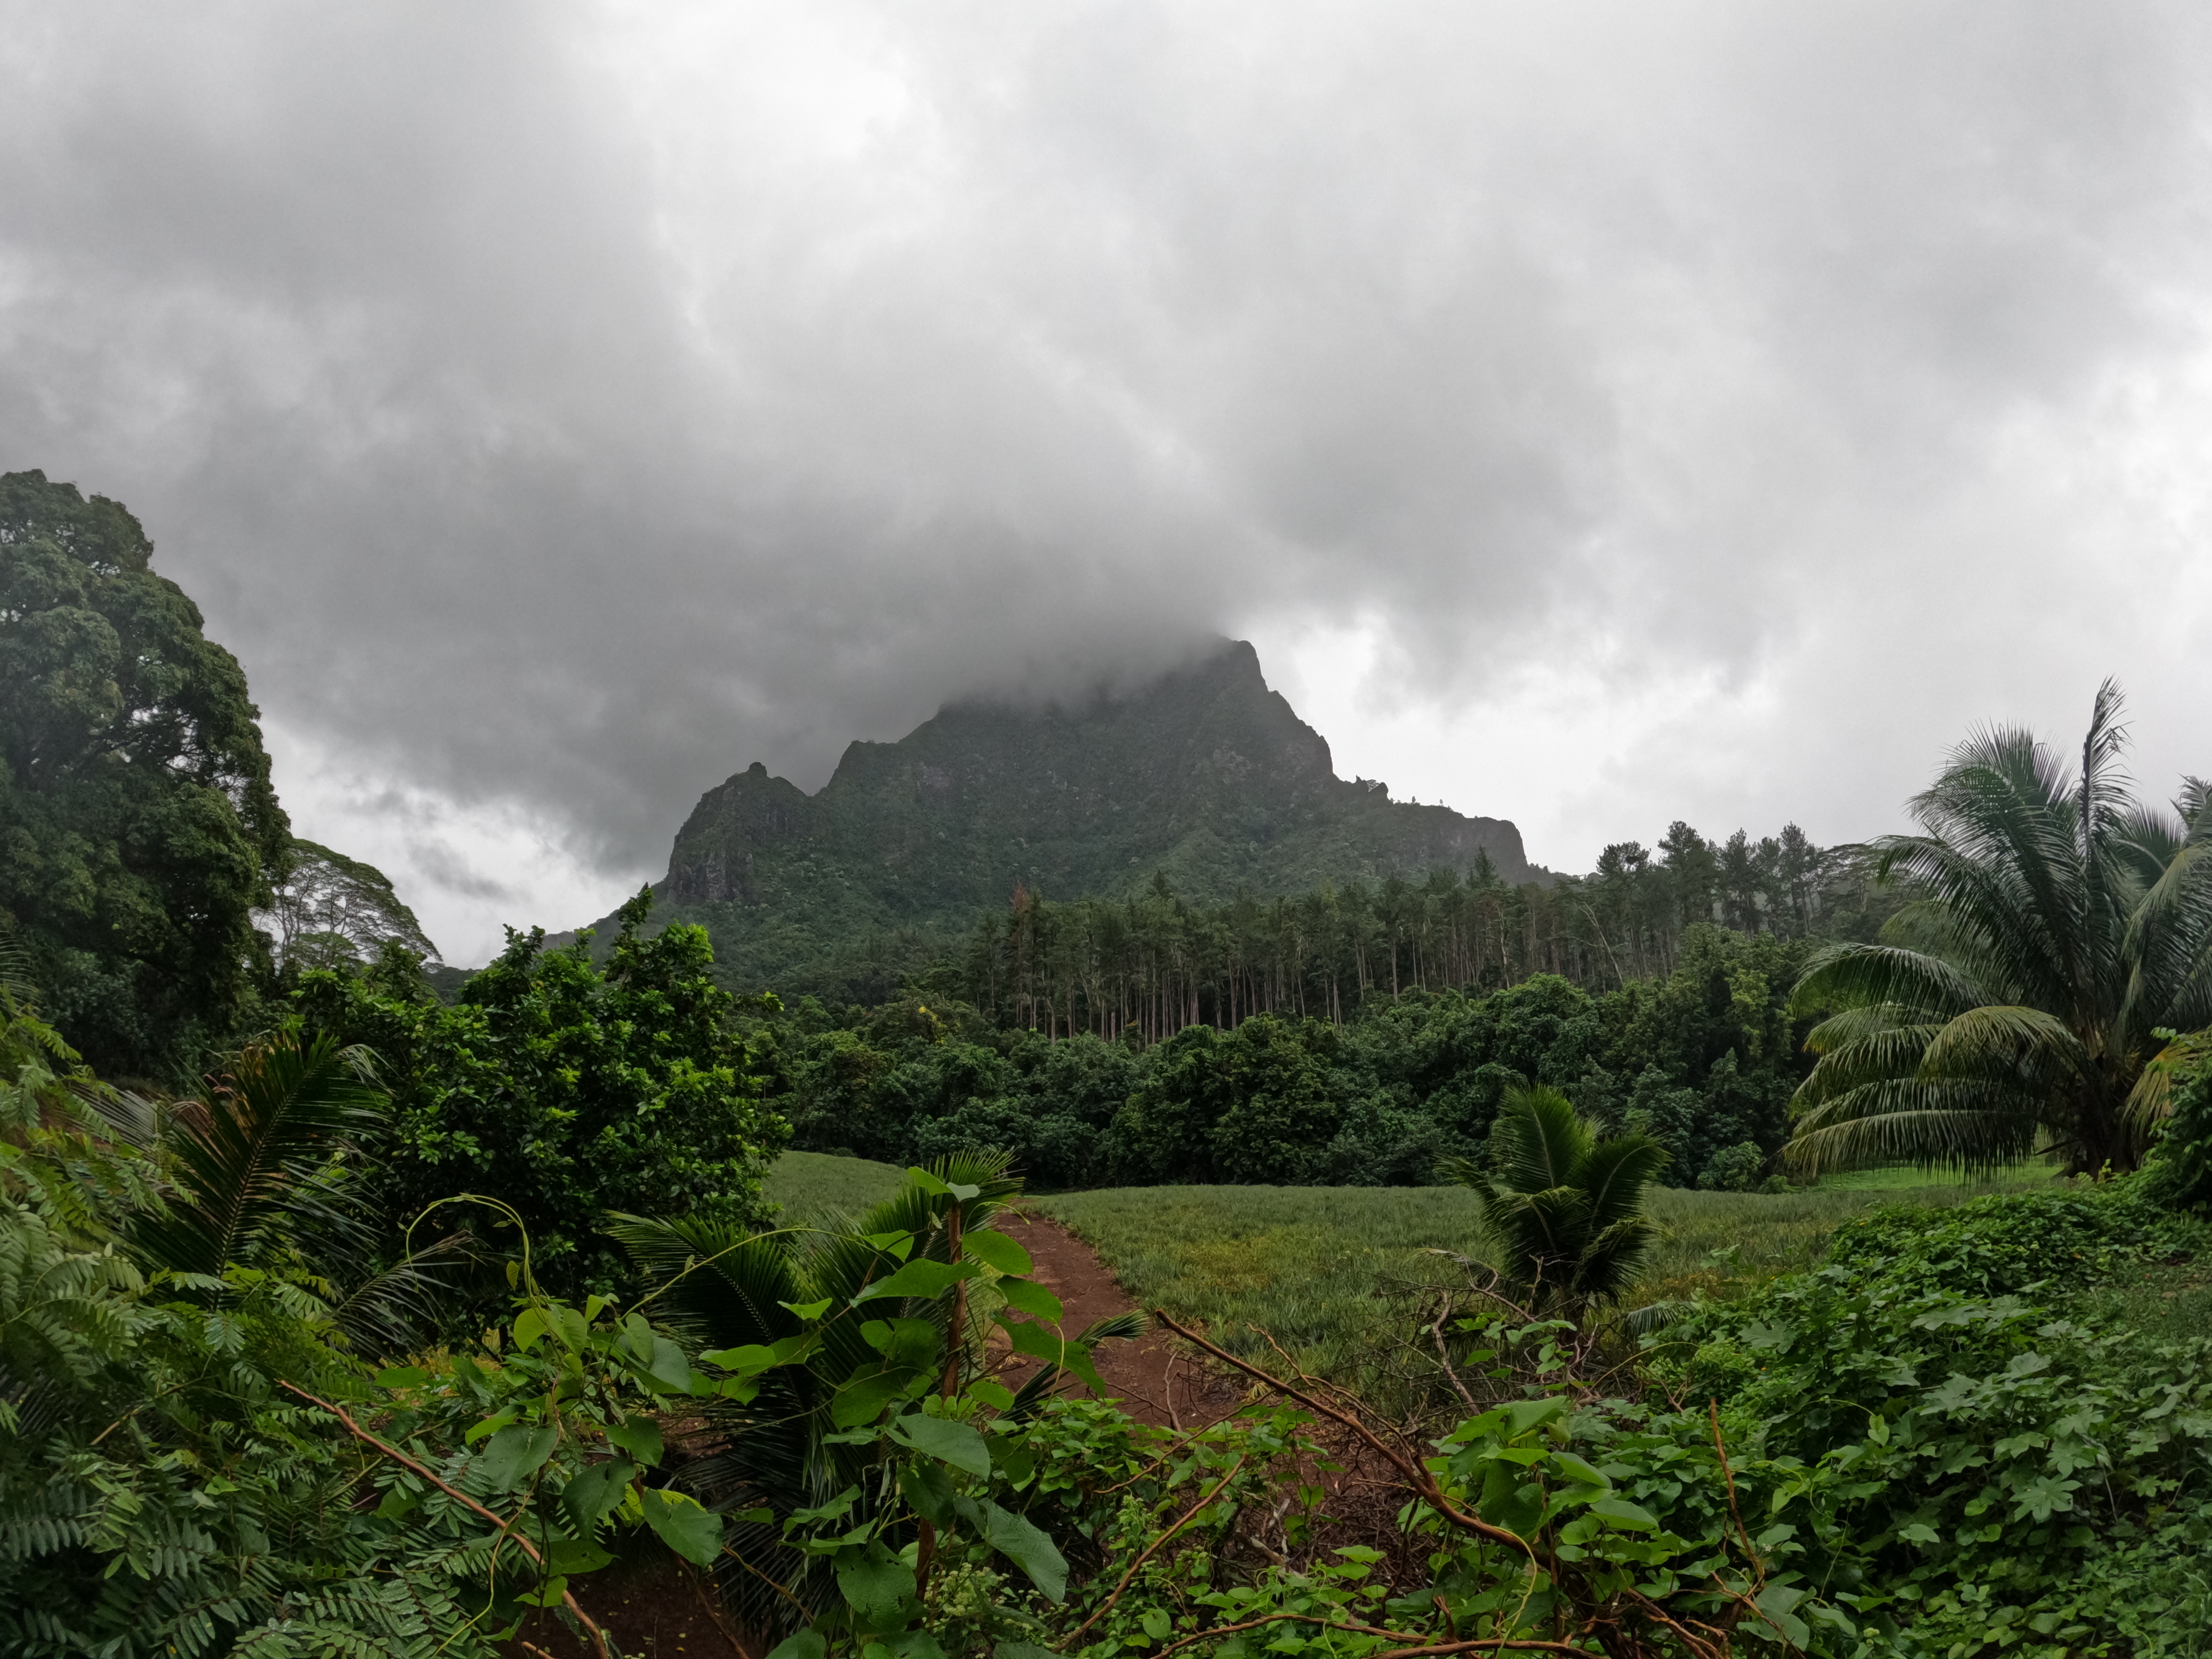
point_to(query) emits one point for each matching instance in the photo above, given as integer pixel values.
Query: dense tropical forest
(352, 1305)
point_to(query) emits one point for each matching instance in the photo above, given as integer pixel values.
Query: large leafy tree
(139, 827)
(563, 1091)
(336, 912)
(2015, 1005)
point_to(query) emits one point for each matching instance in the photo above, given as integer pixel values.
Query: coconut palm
(1565, 1210)
(2015, 1006)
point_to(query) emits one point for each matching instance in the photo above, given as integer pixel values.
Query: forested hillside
(1205, 779)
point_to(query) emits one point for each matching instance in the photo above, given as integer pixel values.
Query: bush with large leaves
(2015, 1006)
(563, 1090)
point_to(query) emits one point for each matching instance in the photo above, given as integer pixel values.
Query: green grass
(811, 1185)
(1318, 1267)
(1900, 1178)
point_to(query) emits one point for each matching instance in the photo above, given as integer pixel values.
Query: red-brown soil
(654, 1608)
(1155, 1378)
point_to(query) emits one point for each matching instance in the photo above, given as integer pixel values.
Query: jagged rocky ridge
(1206, 777)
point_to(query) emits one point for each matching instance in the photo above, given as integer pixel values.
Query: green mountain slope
(1206, 777)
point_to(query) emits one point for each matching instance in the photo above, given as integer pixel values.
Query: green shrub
(2006, 1244)
(1733, 1168)
(2180, 1174)
(563, 1090)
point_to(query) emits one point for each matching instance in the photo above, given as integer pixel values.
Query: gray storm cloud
(558, 407)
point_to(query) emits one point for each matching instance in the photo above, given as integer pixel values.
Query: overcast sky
(1596, 415)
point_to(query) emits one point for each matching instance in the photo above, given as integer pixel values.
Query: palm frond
(253, 1159)
(1546, 1140)
(1865, 1058)
(1616, 1174)
(1610, 1262)
(719, 1286)
(1846, 975)
(1995, 1037)
(1976, 1126)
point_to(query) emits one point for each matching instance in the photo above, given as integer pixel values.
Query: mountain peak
(1204, 775)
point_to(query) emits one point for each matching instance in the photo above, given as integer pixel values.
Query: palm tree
(1565, 1212)
(2014, 1007)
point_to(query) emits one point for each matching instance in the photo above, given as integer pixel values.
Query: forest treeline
(1705, 1058)
(1155, 962)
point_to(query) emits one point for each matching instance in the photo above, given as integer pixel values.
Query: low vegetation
(1331, 1272)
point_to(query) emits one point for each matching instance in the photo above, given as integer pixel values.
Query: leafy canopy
(563, 1091)
(139, 825)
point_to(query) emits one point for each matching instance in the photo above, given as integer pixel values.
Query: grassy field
(1306, 1264)
(810, 1185)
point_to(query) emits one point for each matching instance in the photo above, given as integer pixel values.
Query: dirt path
(655, 1608)
(1155, 1382)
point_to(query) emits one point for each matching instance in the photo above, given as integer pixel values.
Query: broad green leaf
(745, 1360)
(834, 1510)
(994, 1249)
(1011, 1458)
(916, 1175)
(1576, 1470)
(591, 1494)
(917, 1644)
(491, 1425)
(904, 1341)
(948, 1441)
(686, 1525)
(1523, 1415)
(1027, 1548)
(402, 1377)
(928, 1488)
(529, 1329)
(639, 1436)
(807, 1310)
(1775, 1602)
(1041, 1344)
(574, 1555)
(1030, 1298)
(862, 1398)
(669, 1368)
(996, 1395)
(924, 1278)
(900, 1244)
(1622, 1513)
(800, 1645)
(875, 1582)
(514, 1454)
